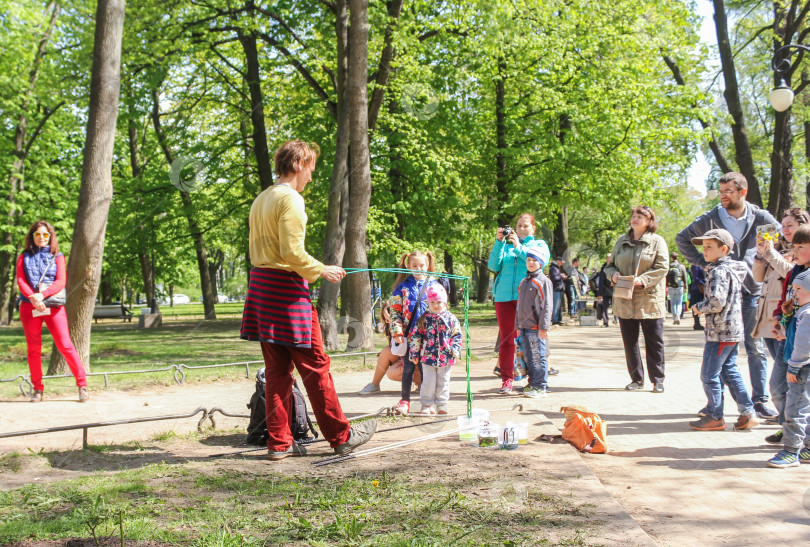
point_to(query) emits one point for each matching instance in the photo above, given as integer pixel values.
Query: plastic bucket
(508, 436)
(471, 433)
(523, 432)
(488, 435)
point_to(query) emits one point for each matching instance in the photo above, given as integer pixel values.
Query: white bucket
(523, 432)
(470, 425)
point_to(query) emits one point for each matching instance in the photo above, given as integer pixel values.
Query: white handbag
(399, 348)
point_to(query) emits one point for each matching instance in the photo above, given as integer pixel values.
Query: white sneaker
(427, 409)
(371, 388)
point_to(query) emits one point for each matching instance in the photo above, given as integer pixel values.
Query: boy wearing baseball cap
(532, 321)
(796, 428)
(722, 307)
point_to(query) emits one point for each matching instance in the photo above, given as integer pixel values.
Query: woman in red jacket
(41, 274)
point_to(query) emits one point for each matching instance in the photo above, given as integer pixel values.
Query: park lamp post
(781, 97)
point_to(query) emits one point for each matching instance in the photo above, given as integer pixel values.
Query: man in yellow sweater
(279, 313)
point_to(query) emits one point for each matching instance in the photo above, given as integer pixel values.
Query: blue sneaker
(784, 459)
(804, 455)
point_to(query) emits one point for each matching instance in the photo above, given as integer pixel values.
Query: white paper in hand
(399, 348)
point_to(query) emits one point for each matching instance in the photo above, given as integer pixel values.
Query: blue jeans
(534, 353)
(719, 370)
(778, 383)
(757, 362)
(676, 302)
(797, 413)
(572, 300)
(556, 313)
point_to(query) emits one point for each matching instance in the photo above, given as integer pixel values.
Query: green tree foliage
(490, 109)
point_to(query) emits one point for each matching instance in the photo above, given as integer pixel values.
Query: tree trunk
(559, 244)
(714, 146)
(214, 265)
(396, 178)
(501, 176)
(742, 147)
(448, 267)
(105, 288)
(780, 193)
(193, 226)
(147, 274)
(807, 157)
(15, 178)
(260, 148)
(384, 69)
(334, 245)
(95, 193)
(358, 286)
(12, 294)
(482, 287)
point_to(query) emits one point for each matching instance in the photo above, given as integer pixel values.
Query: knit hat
(803, 280)
(535, 254)
(436, 293)
(718, 234)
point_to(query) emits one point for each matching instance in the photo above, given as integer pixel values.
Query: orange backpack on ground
(585, 430)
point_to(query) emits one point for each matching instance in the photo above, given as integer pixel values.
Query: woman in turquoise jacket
(508, 261)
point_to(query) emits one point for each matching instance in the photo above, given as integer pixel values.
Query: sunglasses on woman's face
(43, 235)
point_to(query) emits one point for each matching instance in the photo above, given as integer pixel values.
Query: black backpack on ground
(674, 277)
(300, 424)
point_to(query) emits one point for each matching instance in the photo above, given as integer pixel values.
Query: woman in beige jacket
(771, 265)
(644, 255)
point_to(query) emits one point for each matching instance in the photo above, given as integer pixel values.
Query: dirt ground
(660, 483)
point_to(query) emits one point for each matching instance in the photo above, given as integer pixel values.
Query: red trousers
(312, 365)
(58, 326)
(505, 312)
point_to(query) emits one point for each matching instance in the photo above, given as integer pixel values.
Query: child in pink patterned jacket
(436, 344)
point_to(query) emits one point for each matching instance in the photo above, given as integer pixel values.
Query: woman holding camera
(642, 259)
(41, 274)
(508, 261)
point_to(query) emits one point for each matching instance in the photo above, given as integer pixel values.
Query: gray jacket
(534, 304)
(722, 301)
(801, 343)
(744, 250)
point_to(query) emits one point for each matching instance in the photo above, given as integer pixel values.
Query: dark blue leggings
(407, 377)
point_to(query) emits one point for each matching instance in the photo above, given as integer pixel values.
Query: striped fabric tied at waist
(278, 309)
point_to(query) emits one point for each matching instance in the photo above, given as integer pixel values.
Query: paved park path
(680, 486)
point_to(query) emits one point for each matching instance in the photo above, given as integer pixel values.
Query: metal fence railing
(178, 371)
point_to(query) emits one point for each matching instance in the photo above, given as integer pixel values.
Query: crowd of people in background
(744, 249)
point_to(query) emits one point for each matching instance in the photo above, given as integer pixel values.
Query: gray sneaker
(294, 450)
(359, 435)
(534, 393)
(371, 388)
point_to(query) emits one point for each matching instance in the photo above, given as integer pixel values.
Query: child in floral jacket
(436, 344)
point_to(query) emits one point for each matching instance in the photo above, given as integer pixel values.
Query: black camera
(507, 231)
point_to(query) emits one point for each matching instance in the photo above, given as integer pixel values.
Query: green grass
(116, 346)
(206, 504)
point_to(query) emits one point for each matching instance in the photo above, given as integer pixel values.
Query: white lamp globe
(781, 98)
